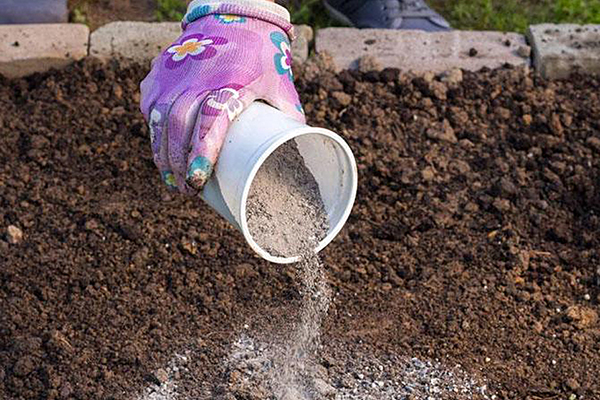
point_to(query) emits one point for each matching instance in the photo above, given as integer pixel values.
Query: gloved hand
(230, 54)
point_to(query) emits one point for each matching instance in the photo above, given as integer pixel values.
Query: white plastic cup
(251, 139)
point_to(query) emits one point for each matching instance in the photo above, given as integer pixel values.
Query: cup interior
(330, 161)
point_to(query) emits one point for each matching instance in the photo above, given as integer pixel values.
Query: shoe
(387, 14)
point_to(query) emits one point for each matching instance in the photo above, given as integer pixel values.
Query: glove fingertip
(199, 171)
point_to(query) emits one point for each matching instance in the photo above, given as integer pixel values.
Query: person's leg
(391, 14)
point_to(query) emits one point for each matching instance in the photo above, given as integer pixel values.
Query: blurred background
(501, 15)
(498, 15)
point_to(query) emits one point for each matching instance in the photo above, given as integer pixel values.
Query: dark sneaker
(390, 14)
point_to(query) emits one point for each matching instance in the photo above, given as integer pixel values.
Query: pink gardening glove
(230, 54)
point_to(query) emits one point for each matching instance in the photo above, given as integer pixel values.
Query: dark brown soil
(474, 239)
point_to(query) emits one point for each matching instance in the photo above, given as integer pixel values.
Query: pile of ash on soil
(250, 367)
(473, 242)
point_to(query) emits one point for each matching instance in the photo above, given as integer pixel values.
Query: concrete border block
(25, 49)
(301, 45)
(133, 40)
(420, 51)
(559, 50)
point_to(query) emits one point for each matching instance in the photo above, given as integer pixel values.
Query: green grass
(78, 16)
(310, 12)
(579, 11)
(514, 15)
(501, 15)
(170, 10)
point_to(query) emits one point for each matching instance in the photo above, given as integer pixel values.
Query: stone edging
(25, 49)
(557, 50)
(420, 51)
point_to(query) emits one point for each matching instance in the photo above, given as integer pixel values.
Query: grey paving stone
(33, 11)
(134, 41)
(420, 51)
(142, 41)
(559, 50)
(301, 45)
(25, 49)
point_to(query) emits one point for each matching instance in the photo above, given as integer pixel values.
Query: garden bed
(471, 255)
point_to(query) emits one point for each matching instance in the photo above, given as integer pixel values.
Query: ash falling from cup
(286, 217)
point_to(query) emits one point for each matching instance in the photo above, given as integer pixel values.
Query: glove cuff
(259, 9)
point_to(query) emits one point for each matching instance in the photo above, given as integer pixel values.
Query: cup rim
(292, 134)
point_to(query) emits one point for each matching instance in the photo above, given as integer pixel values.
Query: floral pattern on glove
(230, 19)
(283, 58)
(154, 124)
(196, 47)
(169, 180)
(226, 98)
